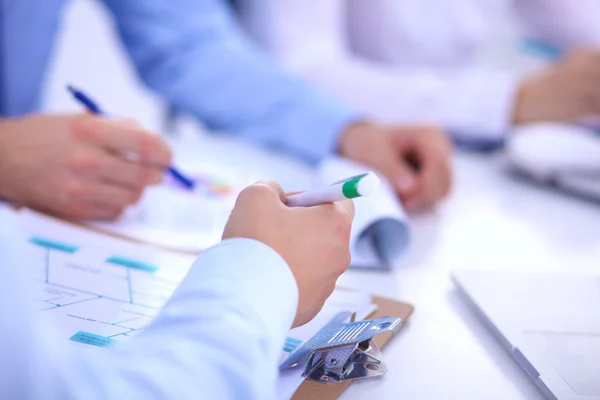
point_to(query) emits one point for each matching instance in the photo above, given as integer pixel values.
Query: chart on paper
(101, 290)
(99, 295)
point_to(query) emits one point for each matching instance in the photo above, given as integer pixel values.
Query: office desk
(491, 222)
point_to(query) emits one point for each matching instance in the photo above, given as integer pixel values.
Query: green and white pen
(349, 188)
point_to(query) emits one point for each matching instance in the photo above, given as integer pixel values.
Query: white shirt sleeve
(470, 103)
(219, 336)
(565, 23)
(311, 39)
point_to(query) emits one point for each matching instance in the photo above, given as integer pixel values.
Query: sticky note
(125, 262)
(92, 339)
(51, 244)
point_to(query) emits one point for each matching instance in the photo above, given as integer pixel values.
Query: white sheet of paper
(380, 232)
(96, 302)
(98, 287)
(172, 217)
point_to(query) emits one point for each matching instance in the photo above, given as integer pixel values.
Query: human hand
(74, 165)
(314, 241)
(569, 89)
(416, 160)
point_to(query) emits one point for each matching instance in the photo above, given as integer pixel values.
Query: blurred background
(88, 54)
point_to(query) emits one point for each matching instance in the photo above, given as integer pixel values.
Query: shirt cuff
(314, 131)
(254, 274)
(307, 125)
(489, 104)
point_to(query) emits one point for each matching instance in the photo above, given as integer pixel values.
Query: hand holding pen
(566, 90)
(94, 108)
(73, 165)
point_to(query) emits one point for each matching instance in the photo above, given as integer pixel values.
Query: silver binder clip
(344, 351)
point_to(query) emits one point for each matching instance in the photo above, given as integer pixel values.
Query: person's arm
(218, 337)
(568, 89)
(564, 23)
(469, 103)
(74, 166)
(472, 102)
(193, 53)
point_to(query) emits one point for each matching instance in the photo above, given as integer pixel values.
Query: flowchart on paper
(98, 296)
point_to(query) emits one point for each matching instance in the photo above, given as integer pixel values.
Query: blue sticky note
(54, 245)
(92, 339)
(126, 262)
(291, 344)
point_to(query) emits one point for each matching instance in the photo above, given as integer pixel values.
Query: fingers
(265, 190)
(123, 139)
(128, 173)
(104, 194)
(334, 219)
(580, 72)
(585, 56)
(113, 196)
(90, 212)
(436, 174)
(434, 184)
(100, 201)
(402, 176)
(426, 152)
(395, 165)
(101, 165)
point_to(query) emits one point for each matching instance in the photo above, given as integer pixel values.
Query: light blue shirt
(191, 52)
(218, 337)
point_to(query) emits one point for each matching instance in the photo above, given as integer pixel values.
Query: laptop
(549, 323)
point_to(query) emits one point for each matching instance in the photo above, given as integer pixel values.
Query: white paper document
(101, 290)
(171, 216)
(380, 231)
(97, 288)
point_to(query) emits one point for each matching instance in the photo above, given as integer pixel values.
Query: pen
(349, 188)
(540, 49)
(93, 107)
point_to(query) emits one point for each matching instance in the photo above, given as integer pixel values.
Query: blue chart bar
(51, 244)
(291, 344)
(92, 339)
(125, 262)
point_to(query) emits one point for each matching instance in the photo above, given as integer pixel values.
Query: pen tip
(71, 89)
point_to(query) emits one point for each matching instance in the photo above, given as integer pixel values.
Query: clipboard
(385, 308)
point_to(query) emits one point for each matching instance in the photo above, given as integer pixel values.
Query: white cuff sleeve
(472, 104)
(481, 106)
(254, 274)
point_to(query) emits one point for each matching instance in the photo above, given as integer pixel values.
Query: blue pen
(540, 49)
(94, 109)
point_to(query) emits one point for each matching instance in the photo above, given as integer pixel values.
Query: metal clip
(344, 351)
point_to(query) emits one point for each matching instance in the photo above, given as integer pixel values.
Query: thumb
(401, 176)
(273, 187)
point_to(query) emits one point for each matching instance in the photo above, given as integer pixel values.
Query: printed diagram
(98, 297)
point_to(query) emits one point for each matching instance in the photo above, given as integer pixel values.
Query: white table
(491, 222)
